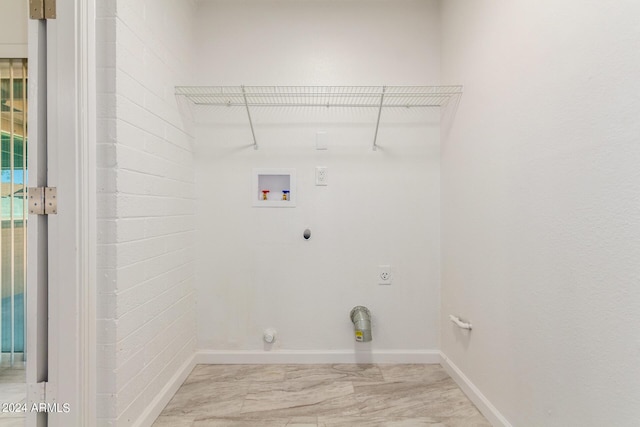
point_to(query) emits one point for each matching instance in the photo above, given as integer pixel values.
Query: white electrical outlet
(322, 175)
(384, 275)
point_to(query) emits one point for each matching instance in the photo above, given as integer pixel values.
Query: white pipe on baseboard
(460, 323)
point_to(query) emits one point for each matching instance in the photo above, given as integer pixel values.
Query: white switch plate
(384, 275)
(322, 175)
(321, 140)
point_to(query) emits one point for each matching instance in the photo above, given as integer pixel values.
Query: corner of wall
(474, 394)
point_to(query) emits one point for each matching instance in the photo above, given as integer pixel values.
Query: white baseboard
(156, 406)
(215, 357)
(474, 394)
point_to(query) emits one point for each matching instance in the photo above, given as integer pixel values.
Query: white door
(37, 236)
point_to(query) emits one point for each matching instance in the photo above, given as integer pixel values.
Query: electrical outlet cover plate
(384, 275)
(322, 175)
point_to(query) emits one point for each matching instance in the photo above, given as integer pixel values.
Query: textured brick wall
(146, 326)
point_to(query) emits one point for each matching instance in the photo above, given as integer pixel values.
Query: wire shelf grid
(378, 97)
(320, 96)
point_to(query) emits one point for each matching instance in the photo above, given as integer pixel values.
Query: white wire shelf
(320, 96)
(378, 97)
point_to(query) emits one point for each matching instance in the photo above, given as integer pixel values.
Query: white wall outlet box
(384, 275)
(321, 140)
(322, 175)
(273, 188)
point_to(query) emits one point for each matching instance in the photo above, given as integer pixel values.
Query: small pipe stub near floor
(361, 318)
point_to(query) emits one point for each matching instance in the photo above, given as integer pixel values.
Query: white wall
(13, 28)
(540, 208)
(255, 269)
(147, 333)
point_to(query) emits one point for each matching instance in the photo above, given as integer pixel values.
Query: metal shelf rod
(253, 133)
(227, 104)
(375, 136)
(328, 95)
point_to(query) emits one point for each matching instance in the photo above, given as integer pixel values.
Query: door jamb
(71, 162)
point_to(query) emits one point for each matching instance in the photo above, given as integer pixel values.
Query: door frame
(72, 237)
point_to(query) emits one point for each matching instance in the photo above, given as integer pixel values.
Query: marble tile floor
(13, 389)
(320, 396)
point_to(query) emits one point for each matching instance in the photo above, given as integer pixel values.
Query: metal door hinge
(39, 394)
(42, 9)
(36, 393)
(43, 200)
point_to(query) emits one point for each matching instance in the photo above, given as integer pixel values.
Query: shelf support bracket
(246, 104)
(375, 136)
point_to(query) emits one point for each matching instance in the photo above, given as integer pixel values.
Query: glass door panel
(13, 238)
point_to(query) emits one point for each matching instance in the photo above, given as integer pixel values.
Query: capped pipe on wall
(269, 335)
(460, 323)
